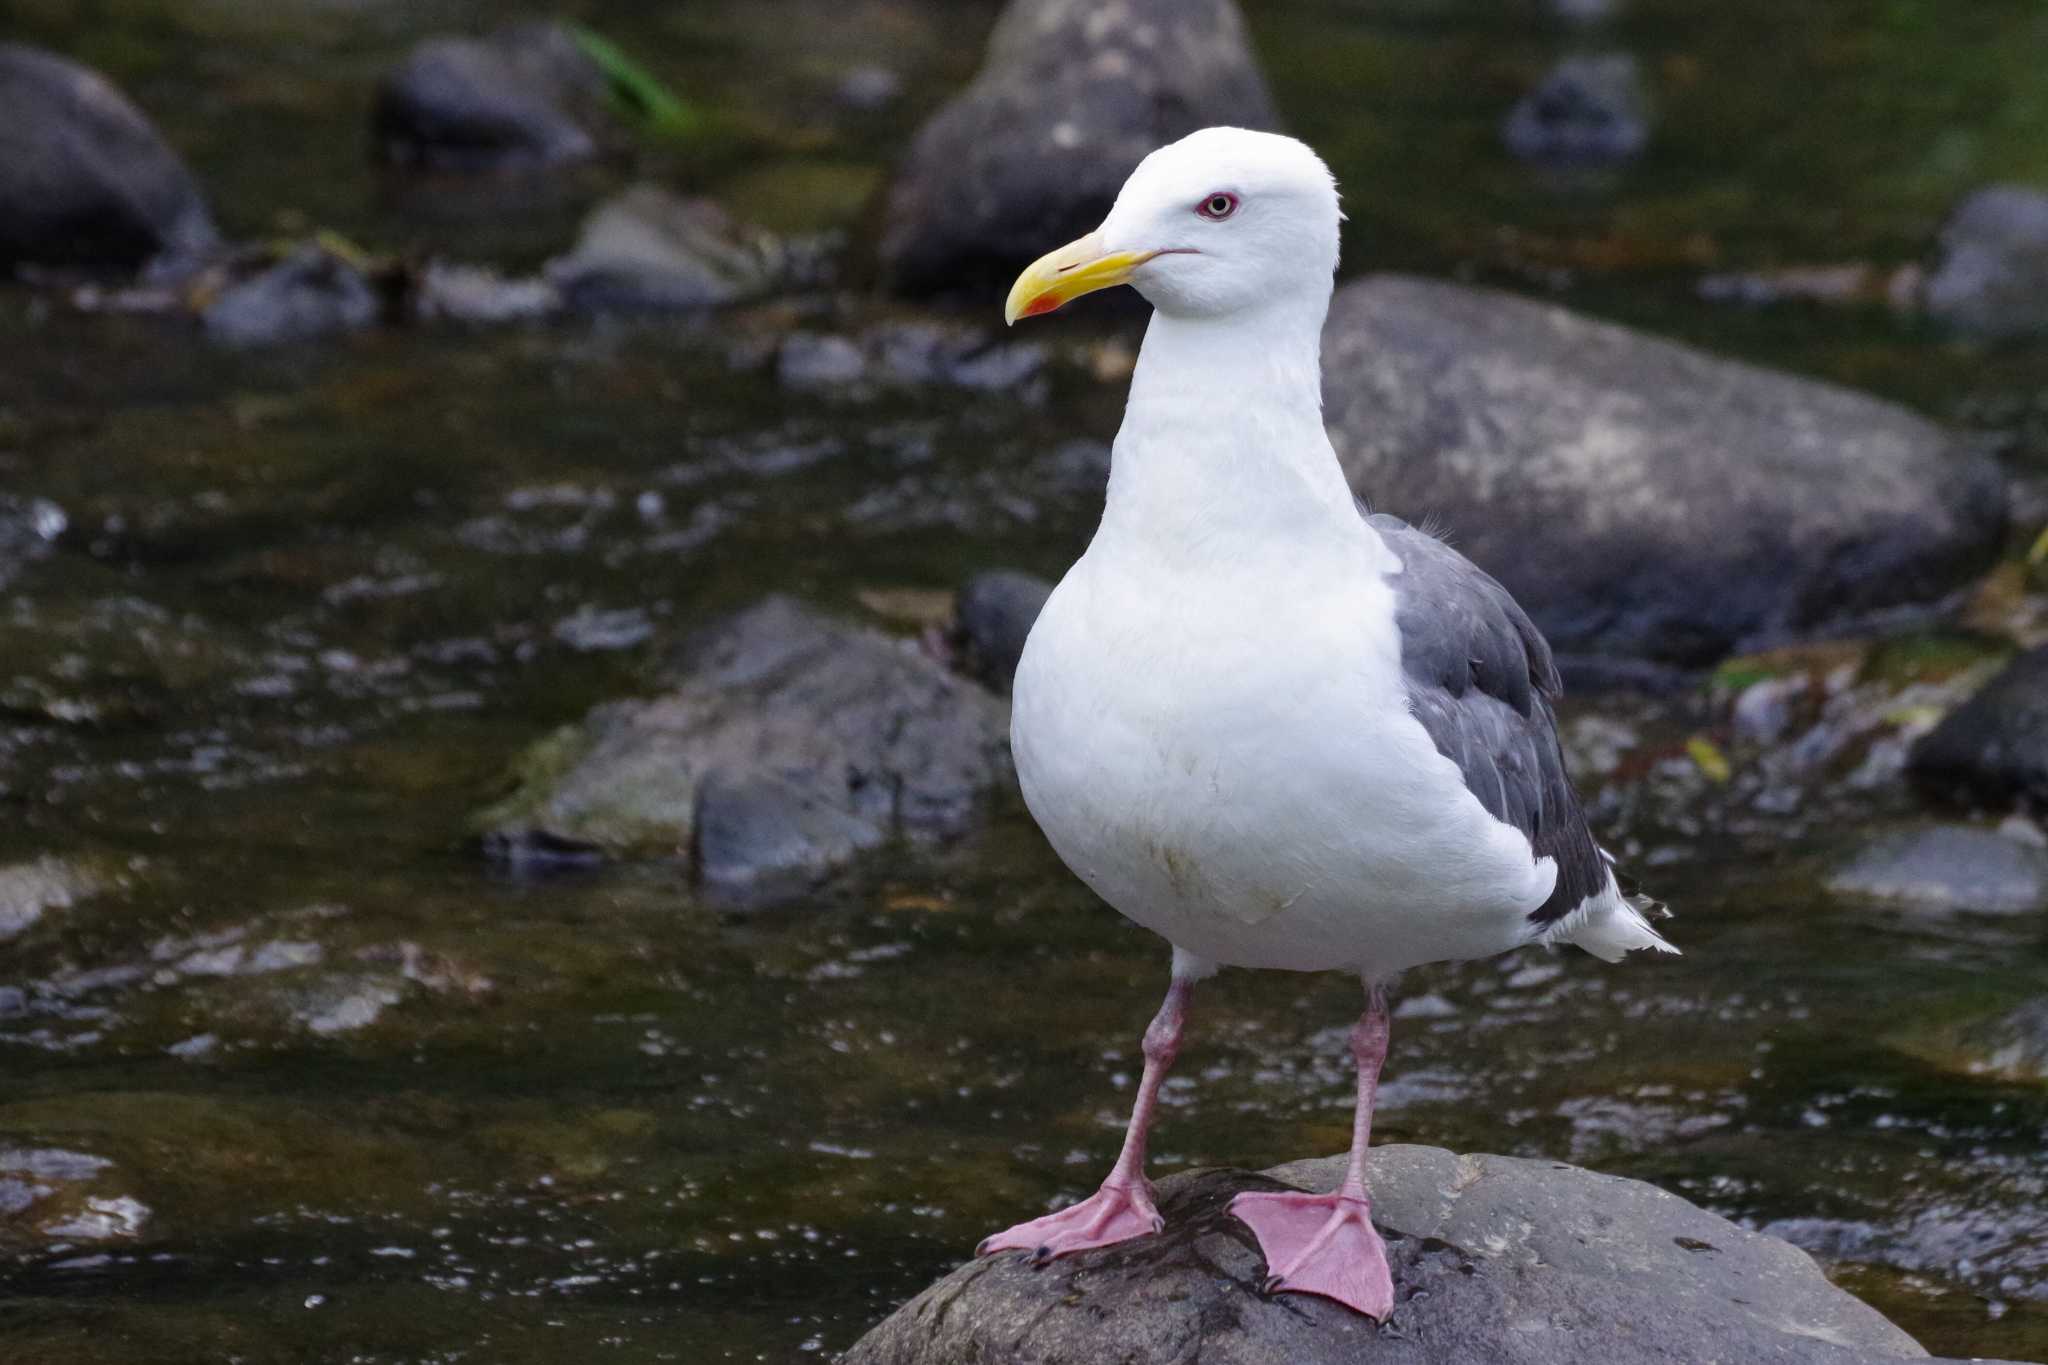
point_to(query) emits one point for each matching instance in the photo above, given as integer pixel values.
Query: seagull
(1275, 729)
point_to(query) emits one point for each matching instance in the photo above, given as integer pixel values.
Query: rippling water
(293, 1075)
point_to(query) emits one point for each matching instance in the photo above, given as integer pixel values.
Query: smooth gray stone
(1641, 498)
(1495, 1259)
(1072, 95)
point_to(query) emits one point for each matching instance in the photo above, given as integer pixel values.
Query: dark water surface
(358, 1098)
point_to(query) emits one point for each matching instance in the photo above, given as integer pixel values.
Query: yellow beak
(1062, 276)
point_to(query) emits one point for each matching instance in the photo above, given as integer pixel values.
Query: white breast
(1228, 760)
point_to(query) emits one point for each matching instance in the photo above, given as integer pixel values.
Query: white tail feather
(1611, 926)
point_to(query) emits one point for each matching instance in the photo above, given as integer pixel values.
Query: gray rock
(760, 838)
(452, 292)
(1994, 747)
(788, 743)
(809, 361)
(993, 618)
(310, 293)
(1990, 274)
(29, 527)
(913, 355)
(1948, 867)
(648, 250)
(1642, 498)
(1495, 1259)
(527, 95)
(84, 177)
(1072, 95)
(1589, 110)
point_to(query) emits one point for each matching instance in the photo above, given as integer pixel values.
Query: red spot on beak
(1043, 304)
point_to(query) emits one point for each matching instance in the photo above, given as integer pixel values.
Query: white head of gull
(1276, 730)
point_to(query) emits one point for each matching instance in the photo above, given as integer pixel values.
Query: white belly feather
(1237, 770)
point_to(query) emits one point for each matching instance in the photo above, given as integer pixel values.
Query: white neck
(1223, 435)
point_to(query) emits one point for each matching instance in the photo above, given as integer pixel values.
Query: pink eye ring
(1218, 206)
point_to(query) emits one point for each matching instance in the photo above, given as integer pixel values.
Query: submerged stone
(1495, 1259)
(1948, 867)
(2005, 1045)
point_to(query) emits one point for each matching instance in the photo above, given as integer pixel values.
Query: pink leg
(1324, 1243)
(1122, 1208)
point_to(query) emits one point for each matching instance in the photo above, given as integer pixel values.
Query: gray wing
(1480, 679)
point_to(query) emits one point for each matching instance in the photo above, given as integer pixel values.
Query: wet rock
(1071, 96)
(28, 529)
(1990, 275)
(648, 250)
(810, 361)
(961, 357)
(1994, 747)
(1589, 110)
(443, 291)
(84, 178)
(28, 891)
(311, 293)
(53, 1195)
(1495, 1259)
(2006, 1045)
(337, 1007)
(1948, 867)
(525, 96)
(759, 837)
(787, 743)
(994, 617)
(1639, 497)
(912, 355)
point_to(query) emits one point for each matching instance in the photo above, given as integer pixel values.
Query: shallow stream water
(358, 1096)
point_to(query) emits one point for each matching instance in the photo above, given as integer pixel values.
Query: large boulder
(84, 178)
(524, 96)
(788, 743)
(1990, 272)
(1641, 498)
(1071, 97)
(1994, 747)
(1495, 1259)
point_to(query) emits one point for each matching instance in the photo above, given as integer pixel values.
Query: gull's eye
(1218, 206)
